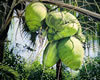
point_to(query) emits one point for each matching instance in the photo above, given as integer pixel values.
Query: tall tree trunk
(4, 8)
(7, 7)
(58, 70)
(3, 37)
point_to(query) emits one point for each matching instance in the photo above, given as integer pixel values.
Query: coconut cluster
(62, 29)
(64, 24)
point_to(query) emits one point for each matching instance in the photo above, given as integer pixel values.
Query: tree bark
(5, 20)
(3, 31)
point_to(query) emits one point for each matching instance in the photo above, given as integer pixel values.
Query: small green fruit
(34, 14)
(50, 56)
(71, 52)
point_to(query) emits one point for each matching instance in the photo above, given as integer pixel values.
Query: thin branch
(78, 9)
(12, 6)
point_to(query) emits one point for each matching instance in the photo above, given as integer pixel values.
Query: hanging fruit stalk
(58, 70)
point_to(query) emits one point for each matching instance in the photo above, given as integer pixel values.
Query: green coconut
(72, 19)
(34, 14)
(50, 56)
(71, 52)
(55, 20)
(70, 29)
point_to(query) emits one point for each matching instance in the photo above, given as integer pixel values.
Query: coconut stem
(58, 70)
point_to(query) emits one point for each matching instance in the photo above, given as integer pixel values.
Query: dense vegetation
(16, 68)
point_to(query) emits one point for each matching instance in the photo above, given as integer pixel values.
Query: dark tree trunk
(1, 51)
(5, 8)
(58, 70)
(3, 37)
